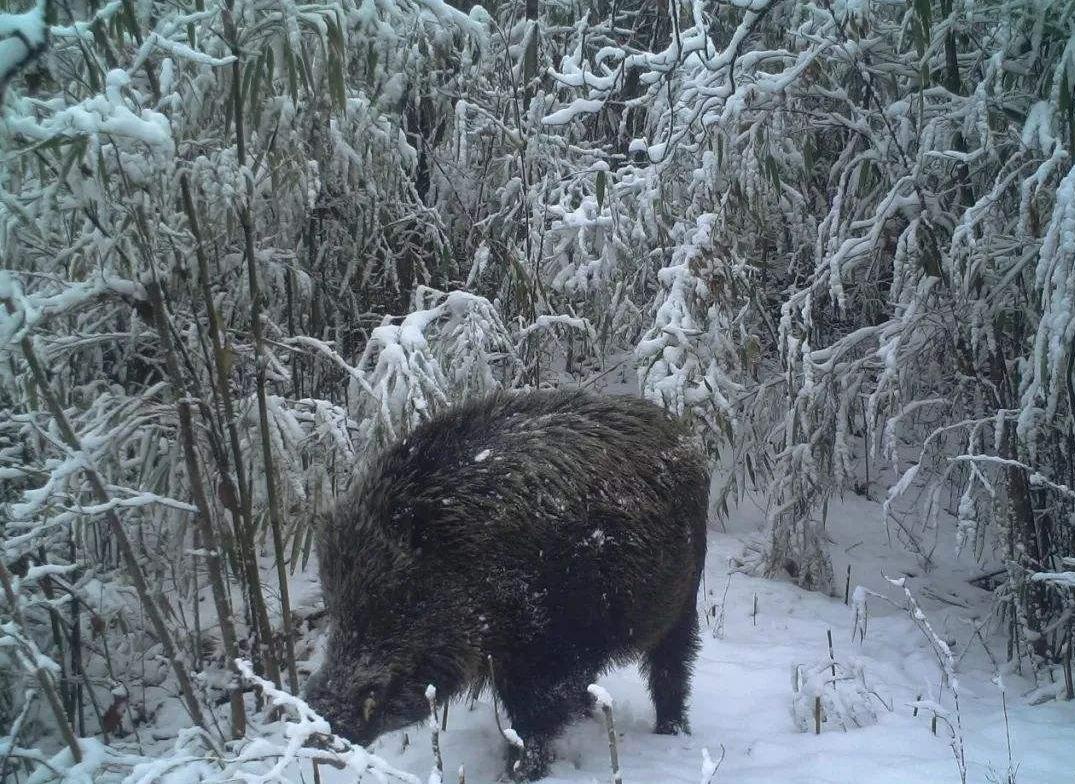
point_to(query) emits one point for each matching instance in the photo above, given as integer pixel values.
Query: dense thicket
(245, 242)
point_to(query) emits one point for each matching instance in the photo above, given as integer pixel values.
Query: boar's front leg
(540, 706)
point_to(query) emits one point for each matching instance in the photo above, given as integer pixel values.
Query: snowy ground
(742, 697)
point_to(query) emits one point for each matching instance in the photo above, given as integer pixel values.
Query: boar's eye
(368, 707)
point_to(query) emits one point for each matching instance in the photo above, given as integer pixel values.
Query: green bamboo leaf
(924, 11)
(726, 428)
(229, 106)
(52, 143)
(295, 535)
(102, 172)
(602, 178)
(335, 35)
(304, 71)
(336, 83)
(773, 170)
(248, 77)
(371, 61)
(75, 153)
(289, 65)
(865, 173)
(254, 95)
(307, 545)
(270, 66)
(92, 75)
(752, 350)
(131, 20)
(922, 25)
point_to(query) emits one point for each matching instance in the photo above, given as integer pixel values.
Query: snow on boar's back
(537, 538)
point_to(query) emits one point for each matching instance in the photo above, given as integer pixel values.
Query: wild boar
(523, 541)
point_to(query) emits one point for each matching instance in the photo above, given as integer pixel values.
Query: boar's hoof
(670, 727)
(530, 763)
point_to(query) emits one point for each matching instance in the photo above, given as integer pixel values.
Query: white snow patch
(880, 680)
(513, 737)
(604, 699)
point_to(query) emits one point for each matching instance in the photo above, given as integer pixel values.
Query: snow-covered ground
(743, 697)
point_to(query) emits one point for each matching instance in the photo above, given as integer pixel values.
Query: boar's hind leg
(668, 669)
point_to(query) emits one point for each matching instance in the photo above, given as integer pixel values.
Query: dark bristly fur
(555, 533)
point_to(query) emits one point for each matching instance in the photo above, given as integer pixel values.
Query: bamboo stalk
(76, 653)
(1069, 686)
(123, 542)
(197, 646)
(238, 501)
(231, 35)
(203, 519)
(67, 691)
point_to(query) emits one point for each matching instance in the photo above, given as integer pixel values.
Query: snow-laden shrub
(445, 350)
(831, 694)
(906, 212)
(688, 360)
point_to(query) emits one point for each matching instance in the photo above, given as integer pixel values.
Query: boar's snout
(361, 705)
(316, 691)
(332, 697)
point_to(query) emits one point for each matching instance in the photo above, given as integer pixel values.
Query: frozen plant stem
(231, 34)
(832, 658)
(204, 521)
(434, 726)
(134, 569)
(605, 702)
(1069, 687)
(709, 767)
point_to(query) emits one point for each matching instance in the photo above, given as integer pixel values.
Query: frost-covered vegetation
(245, 243)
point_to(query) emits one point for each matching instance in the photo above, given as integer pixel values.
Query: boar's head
(394, 631)
(362, 698)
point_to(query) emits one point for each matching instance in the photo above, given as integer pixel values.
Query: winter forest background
(245, 242)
